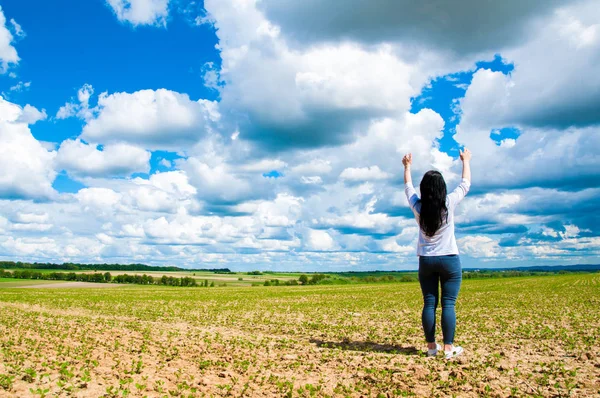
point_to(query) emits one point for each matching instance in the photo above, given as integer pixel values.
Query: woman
(438, 254)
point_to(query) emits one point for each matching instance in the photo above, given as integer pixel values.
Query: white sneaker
(456, 351)
(433, 352)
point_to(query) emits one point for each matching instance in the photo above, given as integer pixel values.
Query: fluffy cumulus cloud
(154, 119)
(80, 158)
(551, 99)
(480, 246)
(289, 98)
(80, 108)
(558, 88)
(319, 240)
(298, 163)
(548, 89)
(141, 12)
(162, 192)
(218, 183)
(8, 53)
(27, 164)
(166, 192)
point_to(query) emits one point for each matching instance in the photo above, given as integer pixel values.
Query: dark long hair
(433, 202)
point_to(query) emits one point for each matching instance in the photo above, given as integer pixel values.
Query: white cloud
(19, 32)
(50, 249)
(31, 115)
(364, 174)
(348, 77)
(117, 159)
(313, 167)
(356, 219)
(29, 246)
(183, 228)
(31, 227)
(28, 218)
(167, 192)
(210, 76)
(162, 192)
(160, 119)
(311, 97)
(388, 139)
(105, 239)
(263, 165)
(141, 12)
(555, 89)
(479, 246)
(20, 86)
(508, 143)
(534, 150)
(311, 180)
(490, 207)
(81, 109)
(571, 231)
(173, 182)
(319, 240)
(494, 101)
(549, 232)
(580, 33)
(98, 198)
(84, 94)
(147, 198)
(391, 245)
(67, 110)
(8, 54)
(27, 165)
(284, 211)
(218, 182)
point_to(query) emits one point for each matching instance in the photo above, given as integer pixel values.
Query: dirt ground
(266, 342)
(69, 285)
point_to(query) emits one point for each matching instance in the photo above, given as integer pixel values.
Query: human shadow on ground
(366, 346)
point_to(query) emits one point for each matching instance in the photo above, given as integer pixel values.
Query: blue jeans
(435, 270)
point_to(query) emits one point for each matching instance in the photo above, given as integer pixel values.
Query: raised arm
(463, 188)
(465, 156)
(411, 194)
(407, 162)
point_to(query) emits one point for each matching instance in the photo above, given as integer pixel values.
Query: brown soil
(68, 285)
(156, 359)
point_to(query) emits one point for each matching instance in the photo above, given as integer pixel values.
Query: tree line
(103, 267)
(98, 277)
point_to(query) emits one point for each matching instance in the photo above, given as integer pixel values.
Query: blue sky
(230, 134)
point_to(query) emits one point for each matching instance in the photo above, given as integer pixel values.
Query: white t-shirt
(443, 242)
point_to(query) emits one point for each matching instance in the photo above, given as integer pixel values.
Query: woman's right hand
(407, 160)
(465, 155)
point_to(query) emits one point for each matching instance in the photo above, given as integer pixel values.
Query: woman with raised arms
(439, 263)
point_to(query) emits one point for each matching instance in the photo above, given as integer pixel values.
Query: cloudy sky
(268, 134)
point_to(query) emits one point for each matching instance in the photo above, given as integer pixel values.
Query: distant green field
(528, 336)
(43, 271)
(219, 279)
(10, 282)
(249, 279)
